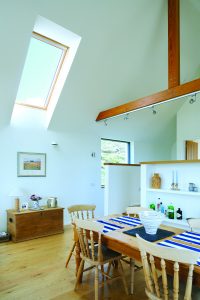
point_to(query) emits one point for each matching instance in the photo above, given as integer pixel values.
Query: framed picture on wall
(31, 164)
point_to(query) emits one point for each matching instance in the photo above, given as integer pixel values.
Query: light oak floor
(35, 270)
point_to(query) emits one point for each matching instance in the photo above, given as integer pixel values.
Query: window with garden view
(113, 152)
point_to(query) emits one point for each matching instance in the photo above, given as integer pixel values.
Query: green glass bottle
(170, 210)
(152, 206)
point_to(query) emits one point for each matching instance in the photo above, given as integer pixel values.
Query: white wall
(150, 151)
(162, 148)
(122, 188)
(72, 174)
(188, 125)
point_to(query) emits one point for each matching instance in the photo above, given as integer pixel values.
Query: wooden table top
(117, 240)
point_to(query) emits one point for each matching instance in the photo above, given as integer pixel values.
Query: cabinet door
(191, 150)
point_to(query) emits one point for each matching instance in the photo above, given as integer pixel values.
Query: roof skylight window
(41, 70)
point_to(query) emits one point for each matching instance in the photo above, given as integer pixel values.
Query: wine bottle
(179, 214)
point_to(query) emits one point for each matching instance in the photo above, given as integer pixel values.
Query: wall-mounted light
(54, 143)
(106, 122)
(193, 98)
(126, 117)
(154, 112)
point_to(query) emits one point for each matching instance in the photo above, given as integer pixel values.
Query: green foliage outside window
(113, 152)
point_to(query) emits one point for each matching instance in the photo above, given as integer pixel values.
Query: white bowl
(151, 220)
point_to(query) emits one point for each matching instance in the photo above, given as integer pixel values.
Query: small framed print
(24, 206)
(31, 164)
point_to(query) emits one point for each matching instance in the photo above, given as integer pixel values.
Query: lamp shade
(16, 192)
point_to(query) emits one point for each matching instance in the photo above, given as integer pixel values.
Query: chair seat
(107, 253)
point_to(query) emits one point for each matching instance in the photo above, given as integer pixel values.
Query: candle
(176, 177)
(172, 176)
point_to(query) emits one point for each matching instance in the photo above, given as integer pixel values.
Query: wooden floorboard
(35, 270)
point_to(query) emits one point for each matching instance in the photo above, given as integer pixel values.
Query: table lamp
(16, 193)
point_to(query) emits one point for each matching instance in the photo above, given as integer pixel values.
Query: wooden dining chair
(194, 224)
(159, 288)
(133, 211)
(96, 254)
(80, 211)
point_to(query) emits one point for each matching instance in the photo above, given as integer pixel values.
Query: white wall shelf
(177, 192)
(176, 223)
(186, 172)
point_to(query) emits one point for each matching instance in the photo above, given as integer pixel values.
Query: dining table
(115, 237)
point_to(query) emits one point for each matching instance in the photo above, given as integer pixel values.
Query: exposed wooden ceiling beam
(173, 43)
(160, 97)
(174, 90)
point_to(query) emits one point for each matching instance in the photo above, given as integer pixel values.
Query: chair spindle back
(81, 211)
(88, 234)
(148, 252)
(194, 224)
(134, 210)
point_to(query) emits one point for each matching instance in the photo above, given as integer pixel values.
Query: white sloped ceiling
(122, 56)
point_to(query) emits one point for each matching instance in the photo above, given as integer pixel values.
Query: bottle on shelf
(179, 214)
(170, 210)
(162, 208)
(152, 206)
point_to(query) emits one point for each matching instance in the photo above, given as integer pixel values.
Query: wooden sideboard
(26, 225)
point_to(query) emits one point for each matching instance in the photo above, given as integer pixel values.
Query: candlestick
(176, 182)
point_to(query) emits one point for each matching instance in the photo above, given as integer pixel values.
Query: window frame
(128, 149)
(64, 49)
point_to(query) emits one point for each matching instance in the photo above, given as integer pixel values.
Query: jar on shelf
(156, 181)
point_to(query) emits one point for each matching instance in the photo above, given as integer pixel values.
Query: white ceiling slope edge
(122, 56)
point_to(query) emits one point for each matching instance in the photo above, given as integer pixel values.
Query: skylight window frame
(64, 49)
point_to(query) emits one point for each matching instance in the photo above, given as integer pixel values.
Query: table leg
(77, 250)
(77, 257)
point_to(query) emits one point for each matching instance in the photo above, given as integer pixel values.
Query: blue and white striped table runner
(127, 221)
(190, 237)
(109, 226)
(122, 220)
